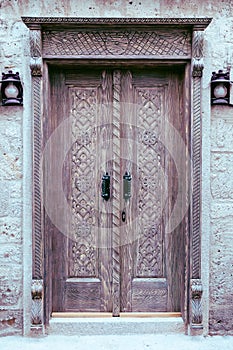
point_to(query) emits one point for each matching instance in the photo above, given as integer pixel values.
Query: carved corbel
(36, 66)
(37, 303)
(196, 291)
(197, 53)
(36, 52)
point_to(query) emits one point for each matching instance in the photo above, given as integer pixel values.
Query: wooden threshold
(81, 314)
(109, 314)
(150, 314)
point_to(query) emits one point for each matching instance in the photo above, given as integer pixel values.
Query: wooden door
(115, 255)
(153, 249)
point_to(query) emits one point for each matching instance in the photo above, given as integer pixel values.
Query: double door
(115, 250)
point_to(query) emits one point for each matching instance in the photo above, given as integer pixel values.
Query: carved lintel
(196, 291)
(37, 303)
(36, 52)
(197, 53)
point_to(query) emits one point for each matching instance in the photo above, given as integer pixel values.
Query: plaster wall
(15, 153)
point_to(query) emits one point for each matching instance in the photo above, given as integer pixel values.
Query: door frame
(132, 40)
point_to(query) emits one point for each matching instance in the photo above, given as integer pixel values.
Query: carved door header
(160, 38)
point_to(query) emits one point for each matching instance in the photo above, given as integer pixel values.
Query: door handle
(127, 186)
(105, 193)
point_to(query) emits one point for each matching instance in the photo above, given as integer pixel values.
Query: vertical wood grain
(104, 164)
(128, 164)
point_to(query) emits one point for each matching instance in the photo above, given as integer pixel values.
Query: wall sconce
(220, 88)
(11, 89)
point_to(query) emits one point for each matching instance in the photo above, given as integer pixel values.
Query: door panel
(147, 286)
(84, 283)
(157, 267)
(118, 255)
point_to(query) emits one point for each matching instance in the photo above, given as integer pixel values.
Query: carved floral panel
(83, 250)
(150, 156)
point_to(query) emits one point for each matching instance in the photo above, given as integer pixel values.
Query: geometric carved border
(63, 22)
(151, 28)
(120, 43)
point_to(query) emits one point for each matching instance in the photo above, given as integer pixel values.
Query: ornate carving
(197, 53)
(83, 250)
(150, 292)
(36, 54)
(83, 257)
(196, 308)
(37, 236)
(196, 287)
(37, 303)
(124, 43)
(149, 257)
(200, 23)
(116, 191)
(36, 66)
(196, 240)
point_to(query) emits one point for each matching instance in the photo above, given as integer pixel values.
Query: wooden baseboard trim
(109, 314)
(81, 314)
(150, 314)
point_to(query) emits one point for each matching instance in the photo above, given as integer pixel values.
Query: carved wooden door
(115, 255)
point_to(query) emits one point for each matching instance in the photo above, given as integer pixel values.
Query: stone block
(11, 322)
(11, 199)
(12, 272)
(222, 134)
(221, 269)
(10, 254)
(222, 210)
(10, 287)
(222, 175)
(10, 293)
(220, 323)
(10, 230)
(5, 198)
(10, 150)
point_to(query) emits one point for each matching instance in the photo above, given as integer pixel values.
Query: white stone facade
(16, 153)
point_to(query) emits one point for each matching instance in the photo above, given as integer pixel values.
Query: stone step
(116, 326)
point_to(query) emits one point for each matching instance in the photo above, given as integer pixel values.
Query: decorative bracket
(196, 303)
(37, 304)
(197, 53)
(36, 52)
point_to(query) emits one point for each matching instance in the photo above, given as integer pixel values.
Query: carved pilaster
(36, 52)
(195, 283)
(37, 283)
(196, 150)
(196, 303)
(37, 304)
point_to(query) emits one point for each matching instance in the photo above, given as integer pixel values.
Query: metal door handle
(105, 193)
(127, 186)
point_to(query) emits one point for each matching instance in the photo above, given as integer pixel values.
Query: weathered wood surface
(118, 125)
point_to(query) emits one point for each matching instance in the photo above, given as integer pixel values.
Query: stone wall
(15, 151)
(221, 284)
